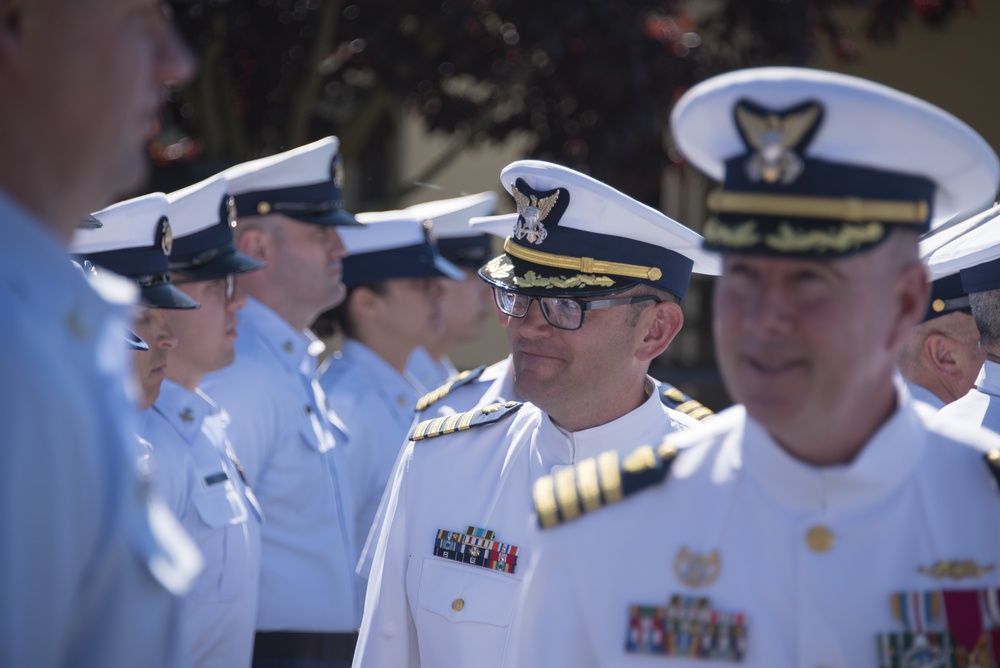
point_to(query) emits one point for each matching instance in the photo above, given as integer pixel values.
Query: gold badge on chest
(697, 570)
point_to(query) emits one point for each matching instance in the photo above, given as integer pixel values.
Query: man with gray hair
(976, 257)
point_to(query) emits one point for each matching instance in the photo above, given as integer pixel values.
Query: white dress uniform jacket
(87, 569)
(283, 437)
(981, 406)
(375, 403)
(801, 563)
(194, 467)
(428, 610)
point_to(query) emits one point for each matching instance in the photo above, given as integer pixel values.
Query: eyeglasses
(230, 286)
(560, 312)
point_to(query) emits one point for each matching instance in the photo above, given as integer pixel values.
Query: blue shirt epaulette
(464, 378)
(993, 462)
(601, 481)
(677, 400)
(478, 417)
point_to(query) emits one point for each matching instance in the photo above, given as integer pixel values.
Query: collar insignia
(776, 140)
(187, 416)
(531, 212)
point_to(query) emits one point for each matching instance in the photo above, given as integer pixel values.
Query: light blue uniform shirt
(428, 372)
(194, 467)
(375, 403)
(297, 469)
(88, 572)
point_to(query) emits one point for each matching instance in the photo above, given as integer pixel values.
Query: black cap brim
(220, 267)
(335, 217)
(164, 295)
(133, 342)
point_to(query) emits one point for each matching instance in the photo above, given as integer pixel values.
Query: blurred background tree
(591, 81)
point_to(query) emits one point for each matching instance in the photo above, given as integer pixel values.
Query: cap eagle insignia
(532, 211)
(774, 138)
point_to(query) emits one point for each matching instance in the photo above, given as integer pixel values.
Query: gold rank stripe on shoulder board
(478, 417)
(682, 403)
(440, 393)
(601, 481)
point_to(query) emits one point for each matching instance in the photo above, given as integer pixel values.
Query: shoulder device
(440, 393)
(682, 403)
(478, 417)
(597, 482)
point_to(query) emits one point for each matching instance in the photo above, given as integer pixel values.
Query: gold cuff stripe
(851, 209)
(587, 265)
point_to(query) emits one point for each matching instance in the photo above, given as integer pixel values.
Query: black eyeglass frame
(584, 305)
(230, 279)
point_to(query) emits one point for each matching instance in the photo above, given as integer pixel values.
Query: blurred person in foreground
(828, 519)
(85, 572)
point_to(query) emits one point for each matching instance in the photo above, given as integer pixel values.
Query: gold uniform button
(820, 539)
(457, 605)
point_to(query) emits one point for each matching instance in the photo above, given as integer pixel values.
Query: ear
(364, 303)
(913, 291)
(939, 349)
(255, 242)
(658, 325)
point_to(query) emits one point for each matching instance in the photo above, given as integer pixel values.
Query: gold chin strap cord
(849, 209)
(587, 265)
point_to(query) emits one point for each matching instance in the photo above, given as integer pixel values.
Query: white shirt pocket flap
(466, 593)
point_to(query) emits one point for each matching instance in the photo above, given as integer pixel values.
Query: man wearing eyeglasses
(194, 463)
(589, 285)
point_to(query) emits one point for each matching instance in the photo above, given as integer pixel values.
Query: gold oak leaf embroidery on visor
(849, 236)
(533, 280)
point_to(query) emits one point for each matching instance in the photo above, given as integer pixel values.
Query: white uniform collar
(297, 350)
(630, 431)
(988, 380)
(184, 410)
(921, 393)
(886, 461)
